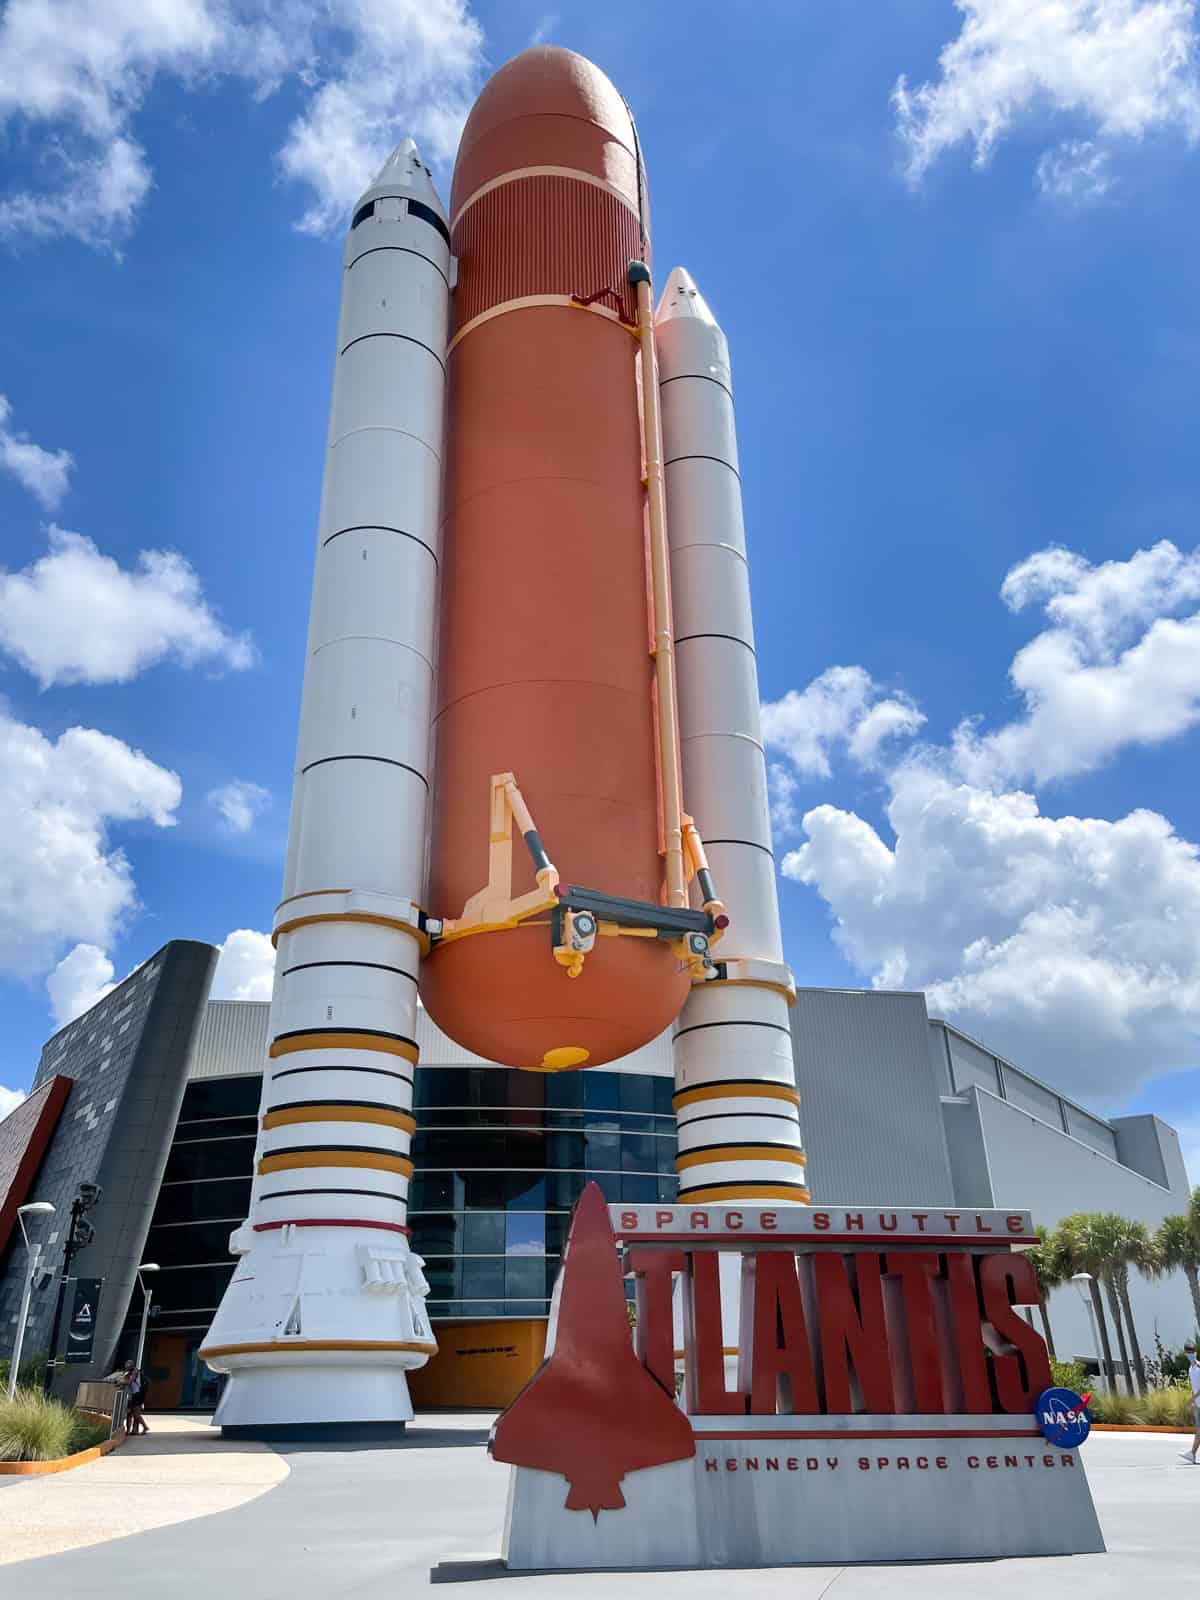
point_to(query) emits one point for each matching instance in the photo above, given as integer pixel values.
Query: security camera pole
(79, 1235)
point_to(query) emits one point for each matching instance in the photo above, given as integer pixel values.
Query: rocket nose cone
(405, 173)
(681, 298)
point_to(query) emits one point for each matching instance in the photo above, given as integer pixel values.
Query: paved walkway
(182, 1470)
(369, 1522)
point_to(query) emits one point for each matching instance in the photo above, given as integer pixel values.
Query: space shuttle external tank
(554, 639)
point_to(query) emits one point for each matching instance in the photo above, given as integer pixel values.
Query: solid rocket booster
(545, 667)
(325, 1311)
(736, 1102)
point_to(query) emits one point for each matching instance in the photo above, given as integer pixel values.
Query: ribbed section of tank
(736, 1100)
(545, 668)
(325, 1311)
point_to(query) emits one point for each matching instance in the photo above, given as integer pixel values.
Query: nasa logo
(1063, 1417)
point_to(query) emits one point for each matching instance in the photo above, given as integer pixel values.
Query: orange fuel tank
(544, 664)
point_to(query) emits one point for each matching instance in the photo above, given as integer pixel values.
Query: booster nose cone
(681, 298)
(689, 338)
(404, 173)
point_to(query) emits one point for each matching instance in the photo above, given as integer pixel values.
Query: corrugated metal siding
(234, 1037)
(544, 235)
(870, 1110)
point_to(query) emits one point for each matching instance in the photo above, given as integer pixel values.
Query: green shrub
(1070, 1375)
(33, 1428)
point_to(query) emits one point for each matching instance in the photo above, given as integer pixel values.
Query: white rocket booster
(326, 1278)
(736, 1101)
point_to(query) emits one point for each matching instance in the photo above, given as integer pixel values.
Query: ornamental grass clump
(1170, 1407)
(33, 1428)
(1116, 1408)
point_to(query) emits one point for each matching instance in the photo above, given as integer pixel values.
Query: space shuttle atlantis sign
(880, 1407)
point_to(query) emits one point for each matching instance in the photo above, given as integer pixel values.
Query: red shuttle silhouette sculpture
(592, 1412)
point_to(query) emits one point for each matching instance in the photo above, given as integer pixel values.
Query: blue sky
(953, 249)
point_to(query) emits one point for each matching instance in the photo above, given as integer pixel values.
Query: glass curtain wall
(502, 1156)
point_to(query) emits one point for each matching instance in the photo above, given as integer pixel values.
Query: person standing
(133, 1381)
(1189, 1351)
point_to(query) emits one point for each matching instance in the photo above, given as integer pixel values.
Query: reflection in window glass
(525, 1234)
(602, 1152)
(192, 1202)
(210, 1158)
(636, 1091)
(435, 1233)
(664, 1090)
(601, 1090)
(639, 1190)
(639, 1152)
(529, 1194)
(443, 1277)
(483, 1233)
(525, 1279)
(482, 1276)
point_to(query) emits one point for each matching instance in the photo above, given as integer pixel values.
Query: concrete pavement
(350, 1523)
(182, 1470)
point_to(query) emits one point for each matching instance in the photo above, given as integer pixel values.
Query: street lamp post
(146, 1266)
(1083, 1281)
(79, 1235)
(35, 1208)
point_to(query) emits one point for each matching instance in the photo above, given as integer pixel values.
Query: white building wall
(1034, 1167)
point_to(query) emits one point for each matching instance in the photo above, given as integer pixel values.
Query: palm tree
(1177, 1249)
(1050, 1265)
(1089, 1248)
(1133, 1248)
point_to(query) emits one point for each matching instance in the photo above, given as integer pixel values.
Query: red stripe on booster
(332, 1222)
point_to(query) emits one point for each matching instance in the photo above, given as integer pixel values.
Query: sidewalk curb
(23, 1469)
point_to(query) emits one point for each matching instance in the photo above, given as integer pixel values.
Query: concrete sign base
(856, 1489)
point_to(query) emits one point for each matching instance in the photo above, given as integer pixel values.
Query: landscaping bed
(39, 1435)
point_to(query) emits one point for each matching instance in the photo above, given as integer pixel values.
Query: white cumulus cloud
(1116, 668)
(75, 76)
(10, 1099)
(1071, 942)
(411, 66)
(83, 976)
(245, 967)
(842, 707)
(45, 473)
(75, 616)
(62, 879)
(239, 804)
(1121, 68)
